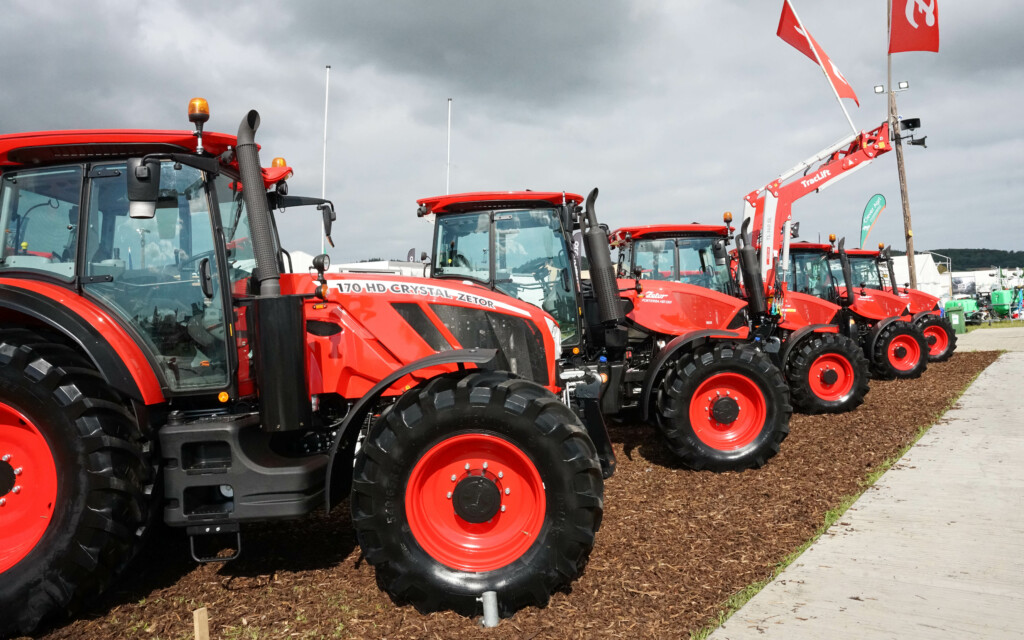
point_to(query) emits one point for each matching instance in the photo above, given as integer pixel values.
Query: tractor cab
(690, 253)
(517, 243)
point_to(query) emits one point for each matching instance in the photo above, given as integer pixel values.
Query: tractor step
(213, 540)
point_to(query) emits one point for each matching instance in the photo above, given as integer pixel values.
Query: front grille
(519, 343)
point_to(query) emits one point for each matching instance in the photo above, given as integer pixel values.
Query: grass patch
(996, 324)
(740, 598)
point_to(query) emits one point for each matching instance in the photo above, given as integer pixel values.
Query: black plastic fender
(349, 428)
(88, 338)
(921, 314)
(666, 354)
(795, 337)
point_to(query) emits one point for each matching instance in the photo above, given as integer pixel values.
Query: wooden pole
(201, 624)
(894, 127)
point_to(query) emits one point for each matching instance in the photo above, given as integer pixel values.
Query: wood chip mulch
(675, 544)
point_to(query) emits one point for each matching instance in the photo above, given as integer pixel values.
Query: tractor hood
(876, 305)
(919, 300)
(674, 308)
(802, 309)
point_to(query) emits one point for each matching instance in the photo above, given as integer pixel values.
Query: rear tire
(900, 352)
(541, 465)
(827, 373)
(82, 474)
(939, 336)
(706, 429)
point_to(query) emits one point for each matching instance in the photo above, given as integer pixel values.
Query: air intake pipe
(892, 271)
(268, 273)
(277, 327)
(751, 271)
(602, 273)
(844, 262)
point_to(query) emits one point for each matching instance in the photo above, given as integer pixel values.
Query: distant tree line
(968, 259)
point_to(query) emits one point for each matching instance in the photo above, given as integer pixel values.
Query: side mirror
(423, 256)
(329, 217)
(143, 187)
(721, 255)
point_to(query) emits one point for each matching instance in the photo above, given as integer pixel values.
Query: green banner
(874, 207)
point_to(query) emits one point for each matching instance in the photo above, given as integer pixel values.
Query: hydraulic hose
(258, 211)
(602, 273)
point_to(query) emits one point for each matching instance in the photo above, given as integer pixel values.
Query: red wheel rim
(463, 545)
(819, 373)
(28, 486)
(750, 418)
(911, 352)
(941, 340)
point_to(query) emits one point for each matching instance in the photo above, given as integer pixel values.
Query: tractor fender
(798, 335)
(118, 358)
(877, 329)
(921, 314)
(349, 428)
(668, 353)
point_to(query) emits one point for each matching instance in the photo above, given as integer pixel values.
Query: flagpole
(323, 178)
(810, 44)
(448, 176)
(894, 128)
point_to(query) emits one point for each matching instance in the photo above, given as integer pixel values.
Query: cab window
(39, 213)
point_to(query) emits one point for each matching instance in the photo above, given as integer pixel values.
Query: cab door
(161, 275)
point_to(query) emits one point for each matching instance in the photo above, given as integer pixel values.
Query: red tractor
(158, 363)
(826, 370)
(879, 320)
(925, 309)
(678, 353)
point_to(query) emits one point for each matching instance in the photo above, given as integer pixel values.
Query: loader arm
(771, 206)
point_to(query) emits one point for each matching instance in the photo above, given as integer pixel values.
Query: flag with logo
(792, 31)
(874, 207)
(914, 26)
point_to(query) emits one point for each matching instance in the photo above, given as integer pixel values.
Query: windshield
(865, 272)
(688, 260)
(519, 253)
(39, 213)
(810, 273)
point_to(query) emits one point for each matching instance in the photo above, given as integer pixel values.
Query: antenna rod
(448, 179)
(323, 180)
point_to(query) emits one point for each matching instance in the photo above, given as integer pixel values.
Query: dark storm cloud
(675, 109)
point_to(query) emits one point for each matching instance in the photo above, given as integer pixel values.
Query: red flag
(793, 32)
(914, 26)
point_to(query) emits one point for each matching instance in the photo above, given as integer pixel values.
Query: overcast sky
(676, 110)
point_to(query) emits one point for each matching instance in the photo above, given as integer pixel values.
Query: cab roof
(47, 147)
(817, 247)
(619, 236)
(484, 200)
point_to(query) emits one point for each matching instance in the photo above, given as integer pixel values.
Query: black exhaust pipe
(247, 152)
(892, 271)
(844, 262)
(278, 326)
(602, 273)
(751, 270)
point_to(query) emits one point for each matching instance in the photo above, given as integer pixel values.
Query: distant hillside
(967, 259)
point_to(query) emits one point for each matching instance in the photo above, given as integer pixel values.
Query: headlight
(556, 333)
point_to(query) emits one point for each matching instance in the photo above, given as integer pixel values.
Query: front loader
(157, 362)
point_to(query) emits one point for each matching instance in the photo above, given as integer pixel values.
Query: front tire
(827, 373)
(939, 336)
(518, 518)
(75, 506)
(723, 407)
(900, 352)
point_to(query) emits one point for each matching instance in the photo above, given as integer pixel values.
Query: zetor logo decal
(424, 291)
(818, 177)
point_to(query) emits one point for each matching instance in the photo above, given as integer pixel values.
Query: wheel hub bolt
(501, 474)
(16, 490)
(17, 471)
(507, 491)
(449, 495)
(453, 477)
(467, 466)
(503, 508)
(485, 465)
(3, 501)
(6, 457)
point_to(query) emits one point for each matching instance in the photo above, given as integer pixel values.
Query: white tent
(929, 279)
